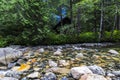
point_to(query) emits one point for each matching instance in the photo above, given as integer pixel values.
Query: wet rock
(79, 55)
(114, 52)
(77, 72)
(11, 54)
(92, 77)
(97, 70)
(58, 70)
(34, 75)
(8, 78)
(49, 76)
(52, 63)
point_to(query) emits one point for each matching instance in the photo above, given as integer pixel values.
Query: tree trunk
(71, 13)
(101, 23)
(78, 20)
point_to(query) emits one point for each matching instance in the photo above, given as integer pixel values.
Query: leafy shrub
(87, 37)
(3, 42)
(116, 36)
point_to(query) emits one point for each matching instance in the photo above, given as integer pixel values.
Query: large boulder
(77, 72)
(7, 55)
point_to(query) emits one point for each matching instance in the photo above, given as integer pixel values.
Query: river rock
(97, 70)
(64, 78)
(92, 77)
(41, 50)
(77, 72)
(63, 63)
(58, 53)
(2, 74)
(13, 74)
(49, 76)
(116, 73)
(52, 63)
(79, 55)
(114, 52)
(8, 78)
(11, 54)
(58, 70)
(34, 75)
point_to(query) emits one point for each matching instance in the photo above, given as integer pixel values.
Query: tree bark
(78, 20)
(101, 22)
(71, 13)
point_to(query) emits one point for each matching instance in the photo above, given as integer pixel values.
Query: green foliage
(88, 37)
(3, 42)
(116, 36)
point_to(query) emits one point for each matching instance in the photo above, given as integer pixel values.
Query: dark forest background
(35, 22)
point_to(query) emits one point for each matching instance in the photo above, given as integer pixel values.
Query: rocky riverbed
(59, 63)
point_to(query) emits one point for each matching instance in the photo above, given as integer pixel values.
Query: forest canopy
(34, 22)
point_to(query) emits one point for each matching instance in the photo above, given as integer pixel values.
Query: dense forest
(35, 22)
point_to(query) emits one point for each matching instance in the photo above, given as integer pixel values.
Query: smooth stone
(2, 74)
(92, 77)
(63, 63)
(34, 75)
(20, 61)
(25, 78)
(52, 63)
(97, 70)
(58, 70)
(41, 50)
(13, 74)
(77, 72)
(10, 65)
(15, 68)
(64, 78)
(116, 73)
(79, 55)
(49, 76)
(36, 69)
(113, 52)
(116, 78)
(8, 78)
(11, 54)
(58, 53)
